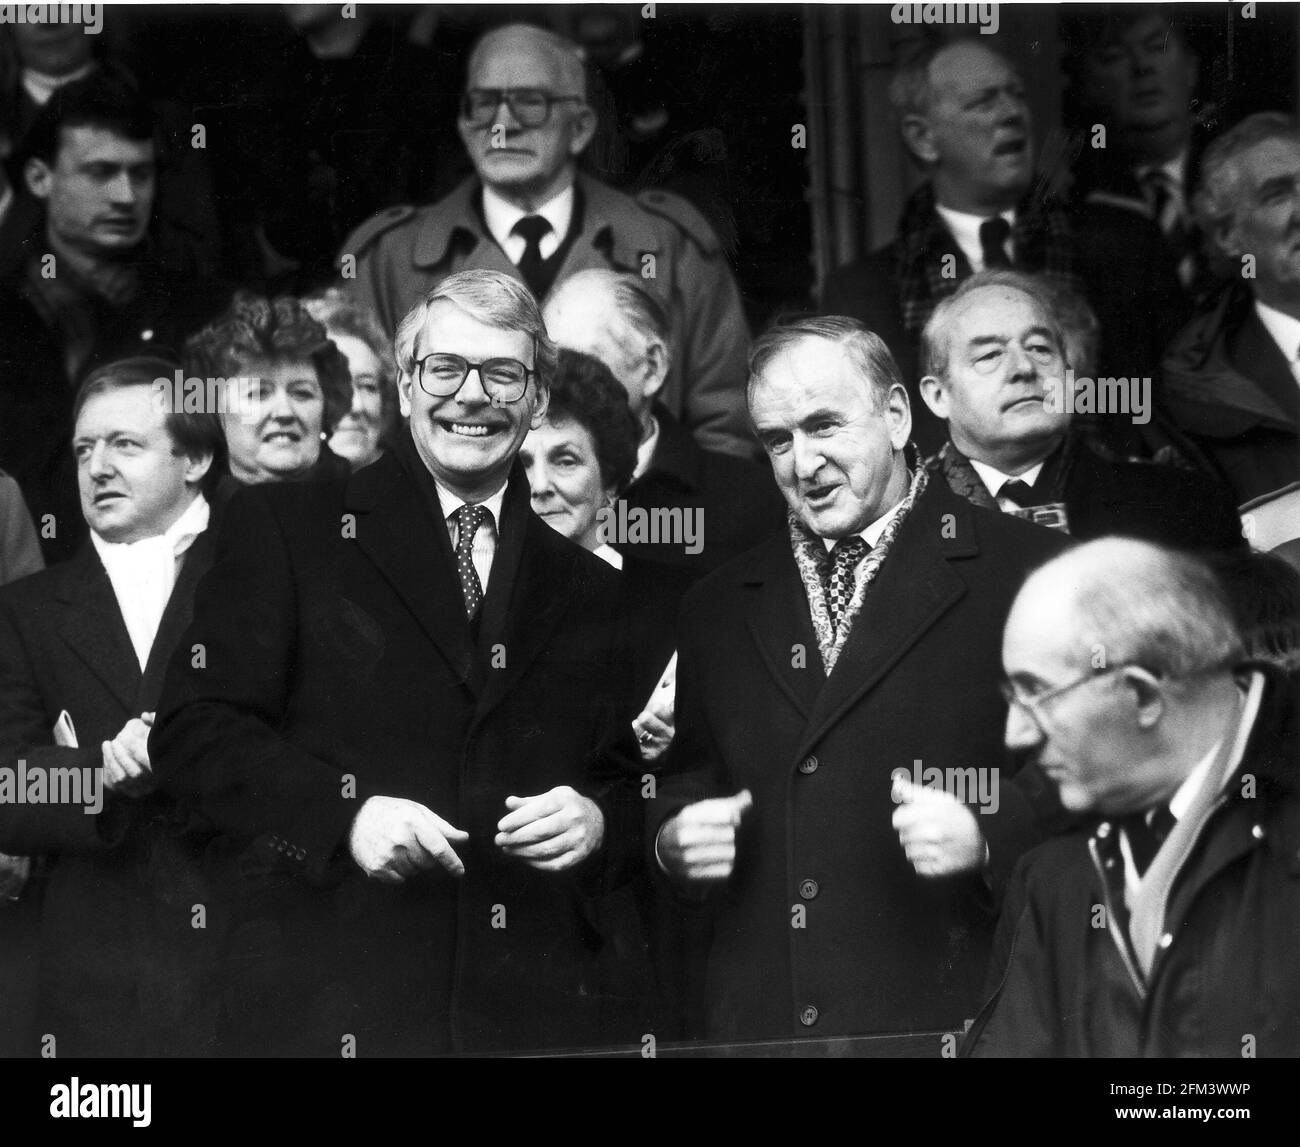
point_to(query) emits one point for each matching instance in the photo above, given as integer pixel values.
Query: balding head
(617, 318)
(562, 57)
(1125, 653)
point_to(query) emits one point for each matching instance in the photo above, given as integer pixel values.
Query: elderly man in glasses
(1167, 924)
(527, 211)
(405, 724)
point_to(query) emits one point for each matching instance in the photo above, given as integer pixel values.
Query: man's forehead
(448, 322)
(122, 408)
(1270, 157)
(90, 142)
(808, 374)
(524, 58)
(997, 312)
(964, 69)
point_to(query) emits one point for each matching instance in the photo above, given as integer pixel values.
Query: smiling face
(356, 437)
(133, 483)
(1141, 78)
(273, 430)
(99, 194)
(564, 476)
(836, 456)
(530, 163)
(1002, 356)
(1266, 217)
(977, 132)
(467, 442)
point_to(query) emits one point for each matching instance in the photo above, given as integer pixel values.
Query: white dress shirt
(994, 480)
(1285, 331)
(143, 573)
(608, 553)
(501, 217)
(485, 541)
(871, 535)
(1175, 171)
(965, 229)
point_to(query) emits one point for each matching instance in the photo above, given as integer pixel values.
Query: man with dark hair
(814, 670)
(82, 651)
(409, 730)
(88, 289)
(965, 120)
(1232, 376)
(999, 372)
(530, 212)
(1167, 924)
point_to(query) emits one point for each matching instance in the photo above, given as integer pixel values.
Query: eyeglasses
(1014, 695)
(442, 375)
(531, 107)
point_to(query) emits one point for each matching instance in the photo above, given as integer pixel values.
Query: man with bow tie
(1167, 923)
(997, 360)
(409, 729)
(83, 647)
(853, 644)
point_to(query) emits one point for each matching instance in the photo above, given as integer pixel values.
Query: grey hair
(1145, 605)
(1069, 318)
(1214, 201)
(492, 298)
(865, 349)
(639, 305)
(570, 57)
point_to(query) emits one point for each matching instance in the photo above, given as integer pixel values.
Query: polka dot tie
(468, 519)
(845, 556)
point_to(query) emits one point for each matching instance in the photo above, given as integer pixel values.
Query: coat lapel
(398, 533)
(532, 572)
(776, 612)
(175, 619)
(93, 629)
(914, 588)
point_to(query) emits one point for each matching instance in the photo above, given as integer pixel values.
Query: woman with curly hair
(286, 386)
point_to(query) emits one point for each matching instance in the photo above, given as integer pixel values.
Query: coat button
(1166, 939)
(808, 1016)
(301, 853)
(1103, 830)
(808, 765)
(808, 889)
(1257, 832)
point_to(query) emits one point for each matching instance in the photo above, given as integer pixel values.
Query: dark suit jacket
(739, 500)
(121, 964)
(340, 665)
(883, 950)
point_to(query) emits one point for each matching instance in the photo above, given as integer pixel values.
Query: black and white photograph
(649, 531)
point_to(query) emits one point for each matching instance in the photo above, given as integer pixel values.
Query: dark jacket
(1226, 982)
(339, 665)
(1228, 388)
(883, 950)
(123, 965)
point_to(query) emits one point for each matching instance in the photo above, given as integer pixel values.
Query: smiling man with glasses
(418, 735)
(531, 212)
(1166, 922)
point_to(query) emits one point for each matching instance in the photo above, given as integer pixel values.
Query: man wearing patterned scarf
(860, 642)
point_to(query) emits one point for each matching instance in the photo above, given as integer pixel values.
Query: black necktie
(845, 556)
(1017, 491)
(1159, 188)
(469, 518)
(993, 239)
(532, 228)
(1146, 834)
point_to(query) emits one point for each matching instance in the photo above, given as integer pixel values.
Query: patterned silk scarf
(813, 560)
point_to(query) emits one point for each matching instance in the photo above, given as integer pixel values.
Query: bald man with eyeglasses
(529, 212)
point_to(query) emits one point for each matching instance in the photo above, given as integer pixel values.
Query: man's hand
(393, 838)
(654, 724)
(553, 831)
(699, 843)
(939, 834)
(126, 758)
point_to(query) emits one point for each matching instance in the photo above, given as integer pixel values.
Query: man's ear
(404, 385)
(898, 410)
(196, 466)
(540, 406)
(582, 128)
(656, 370)
(935, 392)
(1148, 694)
(39, 177)
(919, 138)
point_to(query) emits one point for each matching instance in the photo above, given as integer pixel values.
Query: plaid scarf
(1041, 236)
(813, 560)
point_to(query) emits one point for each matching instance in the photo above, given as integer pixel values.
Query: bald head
(616, 318)
(560, 57)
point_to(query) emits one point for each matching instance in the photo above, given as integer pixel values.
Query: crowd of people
(490, 645)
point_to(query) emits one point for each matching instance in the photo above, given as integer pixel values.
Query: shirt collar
(501, 216)
(450, 502)
(1284, 330)
(1175, 169)
(871, 535)
(995, 479)
(965, 229)
(609, 554)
